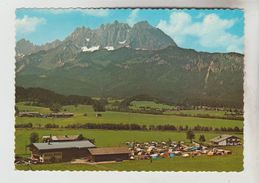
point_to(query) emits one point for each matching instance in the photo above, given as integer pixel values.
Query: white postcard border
(251, 98)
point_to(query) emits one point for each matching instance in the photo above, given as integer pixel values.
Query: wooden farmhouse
(60, 151)
(109, 154)
(226, 140)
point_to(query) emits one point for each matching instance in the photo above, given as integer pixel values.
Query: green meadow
(121, 117)
(23, 106)
(199, 111)
(150, 104)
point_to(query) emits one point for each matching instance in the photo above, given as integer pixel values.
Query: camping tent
(172, 155)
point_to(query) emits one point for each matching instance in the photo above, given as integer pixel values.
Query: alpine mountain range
(118, 60)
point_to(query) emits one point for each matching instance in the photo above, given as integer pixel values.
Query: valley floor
(110, 138)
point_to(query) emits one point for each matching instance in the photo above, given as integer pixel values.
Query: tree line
(124, 105)
(229, 117)
(133, 126)
(186, 103)
(46, 98)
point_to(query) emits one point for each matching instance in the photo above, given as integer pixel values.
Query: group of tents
(158, 150)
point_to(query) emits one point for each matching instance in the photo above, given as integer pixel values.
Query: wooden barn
(109, 154)
(60, 151)
(226, 140)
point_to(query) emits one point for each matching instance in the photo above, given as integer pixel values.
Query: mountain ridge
(109, 36)
(173, 73)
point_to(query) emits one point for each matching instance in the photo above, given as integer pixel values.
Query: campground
(233, 162)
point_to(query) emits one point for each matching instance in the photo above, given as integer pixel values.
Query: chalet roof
(109, 150)
(64, 145)
(65, 137)
(221, 138)
(62, 138)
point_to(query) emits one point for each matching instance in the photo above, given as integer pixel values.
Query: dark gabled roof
(221, 138)
(64, 145)
(109, 150)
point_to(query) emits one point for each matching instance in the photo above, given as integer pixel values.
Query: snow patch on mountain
(122, 42)
(109, 48)
(141, 49)
(87, 39)
(91, 49)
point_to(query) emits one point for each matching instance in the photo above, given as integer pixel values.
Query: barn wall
(68, 154)
(110, 157)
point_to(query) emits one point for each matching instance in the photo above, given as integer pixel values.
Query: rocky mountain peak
(110, 36)
(142, 24)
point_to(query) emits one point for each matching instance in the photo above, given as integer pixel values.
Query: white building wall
(223, 143)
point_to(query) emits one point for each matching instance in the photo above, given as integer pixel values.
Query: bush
(51, 126)
(26, 125)
(34, 137)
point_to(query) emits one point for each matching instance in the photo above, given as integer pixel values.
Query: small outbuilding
(60, 151)
(64, 138)
(226, 140)
(109, 154)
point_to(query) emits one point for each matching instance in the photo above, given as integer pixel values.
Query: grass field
(200, 111)
(124, 117)
(213, 113)
(151, 104)
(23, 107)
(232, 162)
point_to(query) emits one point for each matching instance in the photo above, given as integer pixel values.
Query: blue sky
(202, 30)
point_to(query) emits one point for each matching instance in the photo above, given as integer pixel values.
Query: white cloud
(132, 19)
(176, 25)
(28, 24)
(211, 31)
(200, 15)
